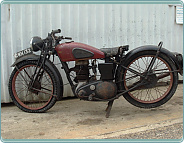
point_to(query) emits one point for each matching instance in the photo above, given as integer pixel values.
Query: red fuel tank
(74, 51)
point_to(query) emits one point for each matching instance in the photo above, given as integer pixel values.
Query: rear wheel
(40, 97)
(159, 86)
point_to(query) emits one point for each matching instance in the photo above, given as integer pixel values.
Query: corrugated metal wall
(98, 25)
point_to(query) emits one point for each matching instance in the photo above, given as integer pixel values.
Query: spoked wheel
(29, 97)
(159, 85)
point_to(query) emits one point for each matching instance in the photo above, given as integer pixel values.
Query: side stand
(108, 109)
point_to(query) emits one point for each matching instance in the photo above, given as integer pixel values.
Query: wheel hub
(36, 85)
(151, 81)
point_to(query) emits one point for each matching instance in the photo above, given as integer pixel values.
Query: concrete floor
(77, 119)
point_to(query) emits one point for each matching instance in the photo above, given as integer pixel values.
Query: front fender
(50, 65)
(25, 57)
(155, 48)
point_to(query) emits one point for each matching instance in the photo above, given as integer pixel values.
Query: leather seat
(110, 51)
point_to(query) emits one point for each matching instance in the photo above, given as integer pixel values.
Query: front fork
(37, 76)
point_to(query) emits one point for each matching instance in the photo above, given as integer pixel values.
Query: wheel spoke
(22, 89)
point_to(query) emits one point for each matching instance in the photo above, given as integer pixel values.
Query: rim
(27, 98)
(163, 79)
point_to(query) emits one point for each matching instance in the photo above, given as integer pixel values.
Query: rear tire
(32, 101)
(161, 86)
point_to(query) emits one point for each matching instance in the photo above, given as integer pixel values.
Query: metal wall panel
(99, 25)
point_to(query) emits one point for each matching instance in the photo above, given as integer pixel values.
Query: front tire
(39, 99)
(162, 83)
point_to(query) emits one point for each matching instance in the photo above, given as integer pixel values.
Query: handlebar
(56, 31)
(53, 40)
(49, 42)
(61, 37)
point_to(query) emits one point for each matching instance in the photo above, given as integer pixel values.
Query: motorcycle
(147, 76)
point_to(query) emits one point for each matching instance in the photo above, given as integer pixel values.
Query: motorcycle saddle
(110, 52)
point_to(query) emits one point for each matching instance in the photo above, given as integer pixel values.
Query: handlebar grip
(56, 31)
(69, 38)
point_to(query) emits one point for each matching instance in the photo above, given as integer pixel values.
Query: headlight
(38, 41)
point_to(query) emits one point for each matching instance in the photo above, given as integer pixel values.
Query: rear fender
(155, 48)
(51, 66)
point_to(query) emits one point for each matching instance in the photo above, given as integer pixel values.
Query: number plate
(23, 52)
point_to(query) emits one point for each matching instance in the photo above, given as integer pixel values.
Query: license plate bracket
(23, 52)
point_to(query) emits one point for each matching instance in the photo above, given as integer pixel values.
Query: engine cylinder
(82, 71)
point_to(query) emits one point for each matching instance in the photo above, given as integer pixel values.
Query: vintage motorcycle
(147, 76)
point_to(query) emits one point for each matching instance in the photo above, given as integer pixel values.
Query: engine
(89, 88)
(82, 71)
(97, 90)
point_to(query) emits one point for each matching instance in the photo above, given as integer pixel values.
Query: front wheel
(160, 84)
(38, 98)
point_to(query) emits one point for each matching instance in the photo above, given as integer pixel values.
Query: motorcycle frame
(67, 72)
(44, 55)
